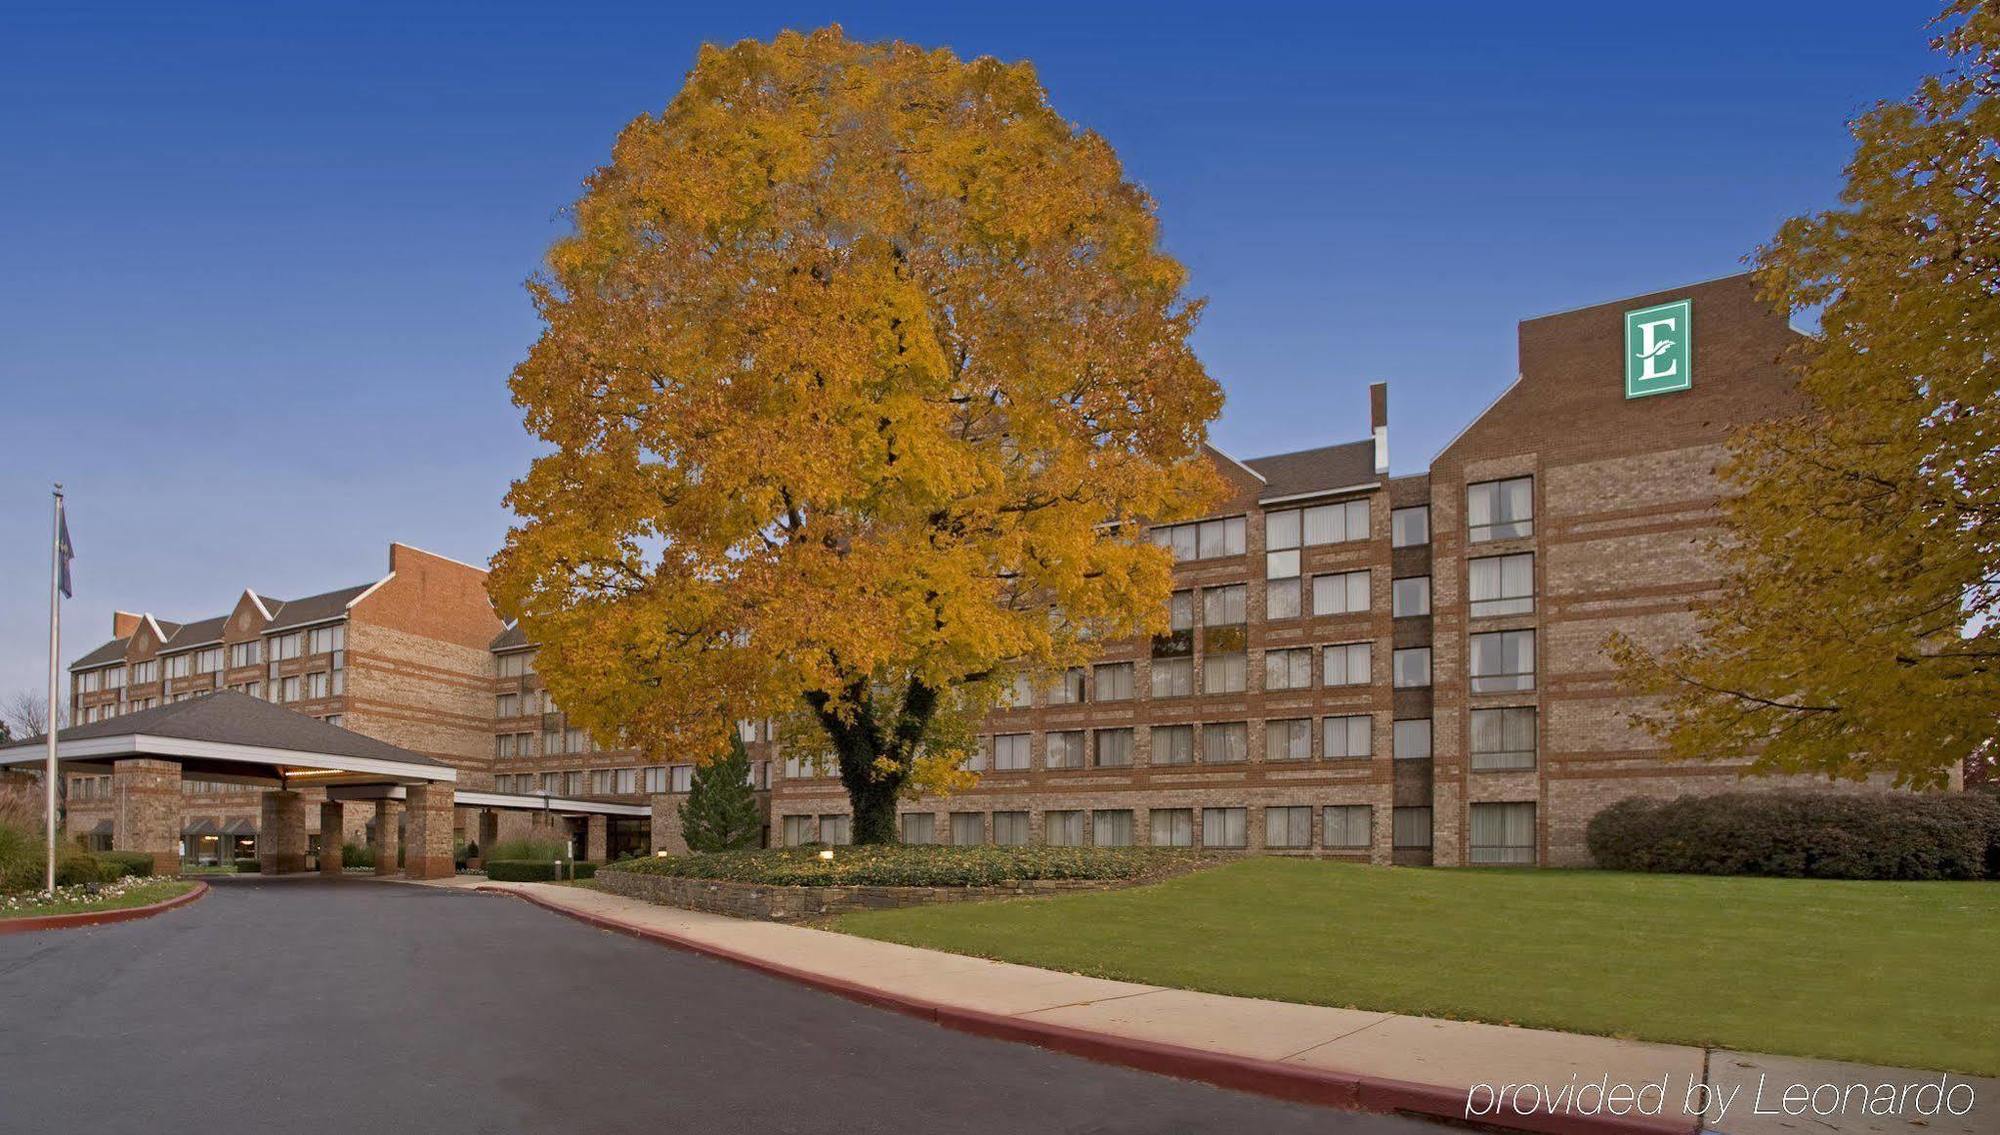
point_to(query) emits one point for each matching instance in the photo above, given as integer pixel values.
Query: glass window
(1502, 585)
(1410, 595)
(1288, 740)
(1173, 677)
(1344, 593)
(1114, 747)
(1062, 829)
(1500, 510)
(834, 829)
(1348, 738)
(1173, 744)
(919, 827)
(1171, 827)
(1111, 827)
(1412, 738)
(656, 779)
(1336, 523)
(1412, 827)
(1202, 540)
(1225, 827)
(1412, 667)
(1281, 598)
(1225, 743)
(1288, 827)
(1502, 661)
(1066, 749)
(1281, 530)
(1114, 681)
(798, 830)
(1010, 829)
(1010, 752)
(1346, 664)
(1019, 694)
(326, 640)
(1349, 825)
(1225, 673)
(1180, 611)
(1288, 669)
(1409, 527)
(1068, 690)
(968, 829)
(1502, 833)
(1223, 606)
(1503, 739)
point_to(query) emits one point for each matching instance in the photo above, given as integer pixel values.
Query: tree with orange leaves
(862, 371)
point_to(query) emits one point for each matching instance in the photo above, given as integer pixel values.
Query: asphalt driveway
(308, 1006)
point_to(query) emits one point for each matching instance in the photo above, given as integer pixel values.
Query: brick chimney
(1378, 424)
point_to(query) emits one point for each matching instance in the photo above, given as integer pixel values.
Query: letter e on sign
(1659, 349)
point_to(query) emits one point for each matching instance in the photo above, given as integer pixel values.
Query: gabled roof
(511, 638)
(1325, 469)
(227, 717)
(205, 632)
(313, 608)
(113, 651)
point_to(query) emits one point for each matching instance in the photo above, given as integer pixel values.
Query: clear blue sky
(263, 263)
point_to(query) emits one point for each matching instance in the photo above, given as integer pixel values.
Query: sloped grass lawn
(1885, 973)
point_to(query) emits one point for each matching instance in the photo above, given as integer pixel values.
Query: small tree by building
(720, 813)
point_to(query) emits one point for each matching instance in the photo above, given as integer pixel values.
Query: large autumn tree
(1856, 633)
(861, 370)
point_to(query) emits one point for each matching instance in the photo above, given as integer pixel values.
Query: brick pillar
(332, 817)
(388, 836)
(431, 818)
(146, 811)
(597, 838)
(667, 826)
(281, 833)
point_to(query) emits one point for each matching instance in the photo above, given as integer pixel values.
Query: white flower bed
(80, 894)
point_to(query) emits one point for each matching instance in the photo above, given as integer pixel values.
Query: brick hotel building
(1390, 669)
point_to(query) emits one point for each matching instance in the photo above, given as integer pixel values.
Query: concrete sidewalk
(1436, 1067)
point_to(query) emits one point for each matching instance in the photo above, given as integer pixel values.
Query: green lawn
(68, 902)
(1885, 973)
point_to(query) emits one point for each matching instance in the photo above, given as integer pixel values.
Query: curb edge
(1348, 1091)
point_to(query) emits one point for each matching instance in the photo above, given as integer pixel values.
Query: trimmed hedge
(136, 864)
(247, 866)
(901, 865)
(1820, 835)
(538, 870)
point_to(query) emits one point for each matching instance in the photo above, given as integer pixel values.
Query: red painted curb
(100, 917)
(1350, 1091)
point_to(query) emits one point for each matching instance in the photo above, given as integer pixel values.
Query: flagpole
(55, 653)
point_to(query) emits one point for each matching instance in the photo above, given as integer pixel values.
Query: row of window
(1497, 662)
(650, 780)
(1501, 739)
(329, 640)
(1499, 833)
(1494, 510)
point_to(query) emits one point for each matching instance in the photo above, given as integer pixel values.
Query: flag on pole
(64, 552)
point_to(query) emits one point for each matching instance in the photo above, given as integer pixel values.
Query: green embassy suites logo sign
(1659, 349)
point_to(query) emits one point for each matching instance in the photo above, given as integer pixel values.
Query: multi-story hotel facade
(1388, 669)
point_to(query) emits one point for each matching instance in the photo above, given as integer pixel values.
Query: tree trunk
(862, 744)
(874, 820)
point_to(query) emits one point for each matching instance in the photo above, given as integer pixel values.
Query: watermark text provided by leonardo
(1714, 1104)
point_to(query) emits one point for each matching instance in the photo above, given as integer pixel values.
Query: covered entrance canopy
(236, 739)
(233, 738)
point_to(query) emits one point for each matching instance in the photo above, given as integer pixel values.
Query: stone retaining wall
(787, 904)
